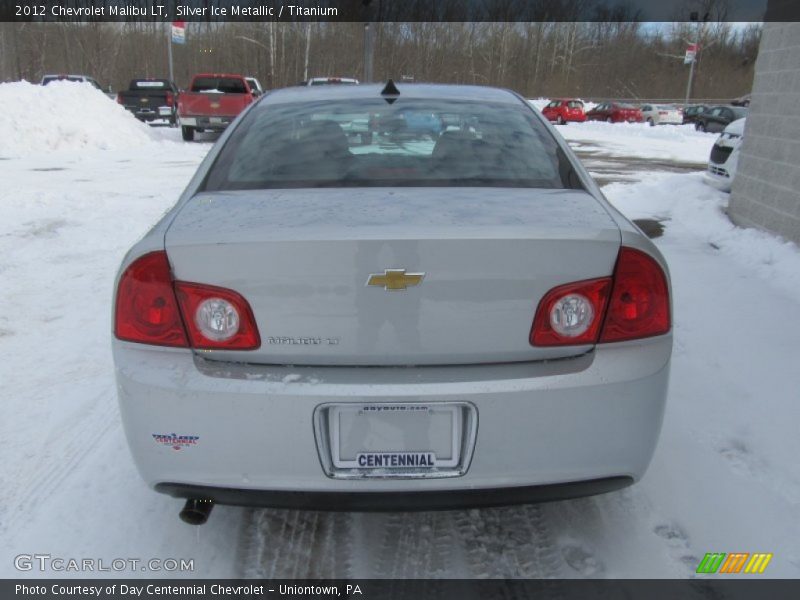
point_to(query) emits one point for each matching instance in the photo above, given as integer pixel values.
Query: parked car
(564, 111)
(322, 324)
(151, 100)
(716, 118)
(408, 123)
(691, 112)
(330, 81)
(615, 112)
(212, 102)
(741, 100)
(725, 156)
(661, 114)
(74, 78)
(255, 86)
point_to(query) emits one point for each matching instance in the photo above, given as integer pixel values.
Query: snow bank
(681, 143)
(64, 116)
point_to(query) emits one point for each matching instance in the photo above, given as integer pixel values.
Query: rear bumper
(204, 122)
(251, 427)
(396, 501)
(716, 177)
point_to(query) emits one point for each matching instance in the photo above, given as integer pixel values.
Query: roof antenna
(390, 92)
(390, 89)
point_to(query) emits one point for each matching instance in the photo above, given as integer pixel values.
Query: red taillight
(147, 311)
(119, 97)
(639, 304)
(217, 318)
(170, 99)
(632, 304)
(152, 309)
(571, 314)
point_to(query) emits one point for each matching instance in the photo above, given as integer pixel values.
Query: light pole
(695, 18)
(369, 39)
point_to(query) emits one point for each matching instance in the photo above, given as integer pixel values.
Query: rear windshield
(149, 85)
(347, 143)
(333, 82)
(575, 104)
(225, 85)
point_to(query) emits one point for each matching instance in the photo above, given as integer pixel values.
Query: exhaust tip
(196, 511)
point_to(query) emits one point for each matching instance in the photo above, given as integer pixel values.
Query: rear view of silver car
(417, 322)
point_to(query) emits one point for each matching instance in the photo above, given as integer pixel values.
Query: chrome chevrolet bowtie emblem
(395, 279)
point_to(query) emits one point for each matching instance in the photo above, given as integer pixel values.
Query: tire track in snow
(509, 542)
(513, 542)
(60, 454)
(296, 544)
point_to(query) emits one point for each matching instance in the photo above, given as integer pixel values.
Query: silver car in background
(415, 322)
(662, 114)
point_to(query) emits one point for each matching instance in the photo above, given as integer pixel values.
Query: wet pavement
(607, 168)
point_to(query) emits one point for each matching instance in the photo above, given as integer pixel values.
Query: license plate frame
(463, 420)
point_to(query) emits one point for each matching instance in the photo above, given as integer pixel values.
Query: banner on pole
(179, 32)
(691, 52)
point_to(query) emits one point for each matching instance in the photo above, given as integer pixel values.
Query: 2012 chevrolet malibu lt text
(346, 310)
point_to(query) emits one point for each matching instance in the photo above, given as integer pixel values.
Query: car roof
(426, 91)
(212, 75)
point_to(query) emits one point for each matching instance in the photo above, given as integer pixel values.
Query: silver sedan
(391, 297)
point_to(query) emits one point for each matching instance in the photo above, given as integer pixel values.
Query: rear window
(575, 104)
(52, 78)
(411, 142)
(149, 85)
(225, 85)
(333, 81)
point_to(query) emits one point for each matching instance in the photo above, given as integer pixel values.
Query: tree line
(612, 59)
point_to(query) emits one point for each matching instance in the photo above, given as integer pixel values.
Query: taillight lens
(571, 314)
(632, 304)
(639, 305)
(170, 99)
(119, 98)
(217, 318)
(152, 309)
(146, 309)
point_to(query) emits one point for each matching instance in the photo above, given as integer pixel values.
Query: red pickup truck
(212, 102)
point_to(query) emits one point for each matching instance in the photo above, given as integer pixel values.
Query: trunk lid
(302, 259)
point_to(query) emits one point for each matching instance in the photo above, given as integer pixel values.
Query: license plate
(165, 111)
(395, 437)
(215, 120)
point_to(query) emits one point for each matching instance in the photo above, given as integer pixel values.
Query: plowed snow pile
(64, 116)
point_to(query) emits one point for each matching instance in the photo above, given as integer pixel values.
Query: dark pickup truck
(151, 100)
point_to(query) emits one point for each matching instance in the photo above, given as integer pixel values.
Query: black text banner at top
(401, 10)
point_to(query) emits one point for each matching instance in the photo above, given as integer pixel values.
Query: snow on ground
(65, 115)
(679, 143)
(724, 478)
